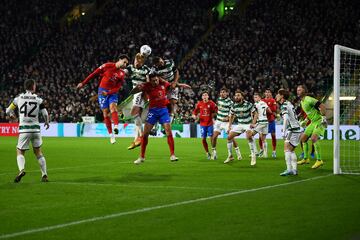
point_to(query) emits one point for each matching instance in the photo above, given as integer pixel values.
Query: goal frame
(337, 53)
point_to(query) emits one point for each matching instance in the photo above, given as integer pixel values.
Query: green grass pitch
(96, 192)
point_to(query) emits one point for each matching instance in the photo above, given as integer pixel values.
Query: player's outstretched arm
(137, 89)
(91, 76)
(183, 85)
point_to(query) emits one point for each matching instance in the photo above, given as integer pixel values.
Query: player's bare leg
(170, 141)
(144, 142)
(173, 109)
(114, 117)
(107, 121)
(252, 145)
(206, 147)
(42, 162)
(136, 113)
(20, 158)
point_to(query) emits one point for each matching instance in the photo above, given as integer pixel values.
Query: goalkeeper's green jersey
(308, 105)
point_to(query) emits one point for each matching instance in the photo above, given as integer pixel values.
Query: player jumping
(112, 78)
(315, 111)
(157, 90)
(29, 105)
(291, 131)
(137, 73)
(205, 111)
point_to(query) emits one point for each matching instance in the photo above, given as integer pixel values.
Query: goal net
(346, 110)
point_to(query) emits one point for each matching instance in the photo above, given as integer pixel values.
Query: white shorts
(173, 94)
(293, 138)
(219, 126)
(25, 138)
(261, 128)
(240, 128)
(138, 100)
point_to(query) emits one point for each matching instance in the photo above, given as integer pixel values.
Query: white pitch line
(142, 186)
(148, 209)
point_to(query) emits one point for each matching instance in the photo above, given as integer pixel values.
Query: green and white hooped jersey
(224, 106)
(167, 72)
(29, 105)
(288, 109)
(260, 108)
(137, 75)
(242, 111)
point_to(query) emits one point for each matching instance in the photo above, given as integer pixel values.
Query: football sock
(115, 118)
(42, 163)
(317, 150)
(138, 125)
(306, 150)
(107, 122)
(293, 161)
(171, 143)
(21, 162)
(229, 147)
(238, 153)
(144, 142)
(252, 147)
(288, 160)
(265, 146)
(205, 145)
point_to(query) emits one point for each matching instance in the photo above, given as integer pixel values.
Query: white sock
(252, 147)
(265, 147)
(42, 163)
(171, 118)
(288, 160)
(138, 125)
(294, 161)
(20, 162)
(229, 147)
(238, 153)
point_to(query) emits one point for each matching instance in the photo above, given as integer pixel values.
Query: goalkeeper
(315, 112)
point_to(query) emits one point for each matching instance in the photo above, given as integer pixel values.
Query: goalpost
(346, 109)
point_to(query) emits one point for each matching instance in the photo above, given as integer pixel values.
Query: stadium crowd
(270, 45)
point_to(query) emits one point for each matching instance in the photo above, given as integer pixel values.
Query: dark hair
(29, 84)
(122, 56)
(268, 89)
(239, 91)
(284, 93)
(153, 73)
(156, 60)
(256, 93)
(303, 87)
(205, 91)
(224, 89)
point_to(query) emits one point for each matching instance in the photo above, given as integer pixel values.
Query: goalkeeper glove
(323, 121)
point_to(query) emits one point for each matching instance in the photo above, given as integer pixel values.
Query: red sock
(107, 122)
(260, 143)
(171, 143)
(205, 145)
(115, 118)
(144, 142)
(273, 138)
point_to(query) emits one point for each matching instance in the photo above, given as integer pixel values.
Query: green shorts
(315, 128)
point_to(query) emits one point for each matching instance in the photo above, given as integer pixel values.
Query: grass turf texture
(92, 178)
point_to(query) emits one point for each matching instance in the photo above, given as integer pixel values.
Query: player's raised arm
(137, 89)
(92, 75)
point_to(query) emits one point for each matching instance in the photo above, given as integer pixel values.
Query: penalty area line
(148, 209)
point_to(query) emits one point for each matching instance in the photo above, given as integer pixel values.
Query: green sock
(306, 150)
(317, 151)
